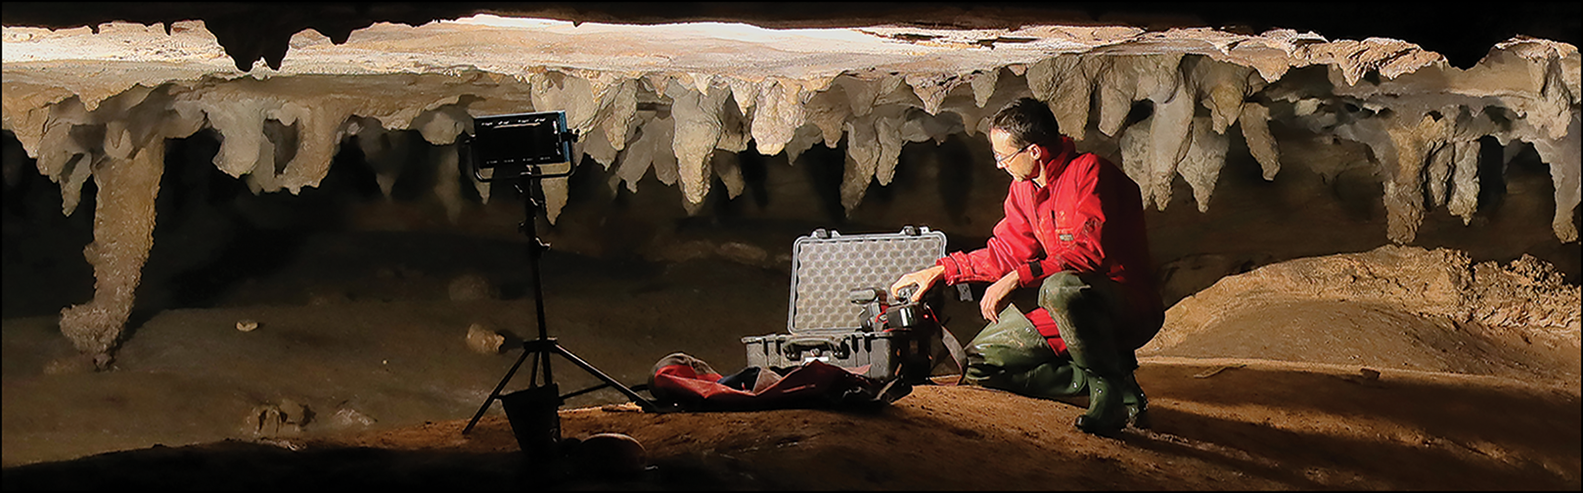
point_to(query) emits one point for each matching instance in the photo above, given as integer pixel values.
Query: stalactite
(974, 118)
(1413, 142)
(555, 91)
(887, 128)
(1223, 88)
(1205, 157)
(28, 111)
(862, 159)
(734, 128)
(983, 84)
(383, 152)
(62, 157)
(726, 167)
(1563, 157)
(1113, 91)
(652, 144)
(555, 194)
(1255, 125)
(698, 130)
(1437, 173)
(1074, 83)
(931, 89)
(1538, 81)
(596, 145)
(1134, 145)
(315, 122)
(1042, 76)
(1465, 180)
(240, 122)
(803, 140)
(440, 126)
(777, 114)
(874, 145)
(1169, 139)
(827, 111)
(863, 94)
(127, 177)
(622, 116)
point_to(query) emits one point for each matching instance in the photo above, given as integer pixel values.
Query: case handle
(795, 346)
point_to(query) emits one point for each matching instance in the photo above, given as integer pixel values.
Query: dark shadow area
(724, 209)
(1439, 464)
(955, 178)
(1356, 193)
(1420, 407)
(755, 172)
(251, 253)
(1171, 445)
(235, 465)
(1139, 111)
(42, 268)
(1492, 175)
(1298, 83)
(824, 167)
(416, 159)
(214, 234)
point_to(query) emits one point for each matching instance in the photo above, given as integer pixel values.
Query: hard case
(821, 322)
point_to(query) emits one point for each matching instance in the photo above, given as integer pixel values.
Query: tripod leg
(496, 393)
(544, 343)
(638, 399)
(533, 370)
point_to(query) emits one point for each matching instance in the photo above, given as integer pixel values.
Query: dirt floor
(1221, 424)
(367, 380)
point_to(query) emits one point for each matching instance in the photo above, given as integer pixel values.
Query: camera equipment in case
(840, 311)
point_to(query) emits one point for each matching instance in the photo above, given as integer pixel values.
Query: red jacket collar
(1064, 153)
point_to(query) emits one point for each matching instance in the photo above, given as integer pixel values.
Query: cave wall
(1362, 142)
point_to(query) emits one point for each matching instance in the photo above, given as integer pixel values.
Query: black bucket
(535, 420)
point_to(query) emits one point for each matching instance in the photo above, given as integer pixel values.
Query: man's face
(1018, 161)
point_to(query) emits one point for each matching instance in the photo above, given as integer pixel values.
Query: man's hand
(995, 294)
(923, 279)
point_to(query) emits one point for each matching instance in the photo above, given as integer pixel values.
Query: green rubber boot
(1137, 403)
(1054, 379)
(1107, 409)
(1086, 327)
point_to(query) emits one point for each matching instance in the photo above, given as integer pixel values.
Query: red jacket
(1088, 218)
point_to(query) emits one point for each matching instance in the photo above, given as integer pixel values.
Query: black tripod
(544, 346)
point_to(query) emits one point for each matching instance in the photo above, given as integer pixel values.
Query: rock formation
(686, 99)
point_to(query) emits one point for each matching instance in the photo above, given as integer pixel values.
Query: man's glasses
(1001, 161)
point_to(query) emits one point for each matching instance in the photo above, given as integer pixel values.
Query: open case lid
(826, 265)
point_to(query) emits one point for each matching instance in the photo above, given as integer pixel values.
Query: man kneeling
(1073, 227)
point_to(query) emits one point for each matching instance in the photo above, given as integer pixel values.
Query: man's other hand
(995, 295)
(923, 279)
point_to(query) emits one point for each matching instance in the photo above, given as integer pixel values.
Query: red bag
(693, 385)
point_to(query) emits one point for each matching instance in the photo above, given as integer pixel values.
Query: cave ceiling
(683, 80)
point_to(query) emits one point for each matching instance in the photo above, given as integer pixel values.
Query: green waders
(1012, 355)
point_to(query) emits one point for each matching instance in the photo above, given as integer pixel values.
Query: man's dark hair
(1028, 121)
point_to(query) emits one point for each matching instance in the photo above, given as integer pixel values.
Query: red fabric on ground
(812, 384)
